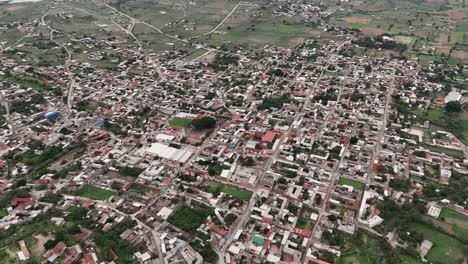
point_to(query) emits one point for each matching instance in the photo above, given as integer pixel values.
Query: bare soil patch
(208, 58)
(355, 20)
(14, 7)
(442, 50)
(460, 54)
(457, 222)
(443, 38)
(38, 248)
(295, 42)
(456, 15)
(373, 31)
(404, 39)
(446, 227)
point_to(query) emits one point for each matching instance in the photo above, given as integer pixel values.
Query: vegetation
(446, 249)
(236, 192)
(453, 107)
(273, 102)
(356, 184)
(205, 250)
(449, 213)
(96, 193)
(110, 242)
(130, 171)
(304, 221)
(366, 248)
(189, 218)
(143, 190)
(204, 123)
(114, 128)
(180, 122)
(28, 106)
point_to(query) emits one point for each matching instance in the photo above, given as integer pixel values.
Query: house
(424, 248)
(434, 211)
(23, 255)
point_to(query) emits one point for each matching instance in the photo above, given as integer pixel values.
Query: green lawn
(356, 184)
(464, 123)
(3, 213)
(446, 249)
(304, 221)
(96, 193)
(435, 115)
(449, 213)
(180, 122)
(236, 192)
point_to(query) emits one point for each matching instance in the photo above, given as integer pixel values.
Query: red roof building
(269, 136)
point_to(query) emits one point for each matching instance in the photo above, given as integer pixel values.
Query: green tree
(453, 107)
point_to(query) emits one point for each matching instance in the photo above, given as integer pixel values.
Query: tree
(50, 244)
(204, 123)
(318, 199)
(453, 107)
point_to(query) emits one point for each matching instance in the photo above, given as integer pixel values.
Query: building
(453, 97)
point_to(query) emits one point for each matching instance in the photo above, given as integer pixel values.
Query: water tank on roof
(52, 116)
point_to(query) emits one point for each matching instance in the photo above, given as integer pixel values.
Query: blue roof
(100, 122)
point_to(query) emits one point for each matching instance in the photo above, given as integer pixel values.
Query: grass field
(236, 192)
(446, 249)
(449, 213)
(180, 122)
(435, 115)
(356, 184)
(96, 193)
(195, 54)
(464, 123)
(3, 213)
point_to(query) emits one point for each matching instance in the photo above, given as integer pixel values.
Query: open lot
(356, 184)
(95, 193)
(180, 122)
(231, 190)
